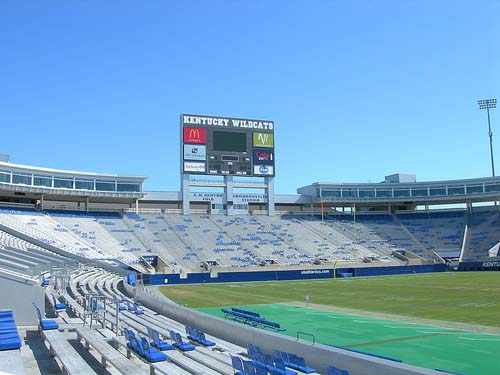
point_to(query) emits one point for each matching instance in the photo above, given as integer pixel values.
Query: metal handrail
(306, 334)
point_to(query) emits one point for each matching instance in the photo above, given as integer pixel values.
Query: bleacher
(240, 241)
(438, 231)
(191, 243)
(482, 235)
(47, 230)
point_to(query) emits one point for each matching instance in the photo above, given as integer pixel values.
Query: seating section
(481, 235)
(438, 231)
(46, 229)
(22, 258)
(153, 342)
(9, 335)
(206, 241)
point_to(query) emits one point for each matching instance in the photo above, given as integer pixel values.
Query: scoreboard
(222, 146)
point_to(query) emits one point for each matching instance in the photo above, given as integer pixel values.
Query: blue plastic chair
(157, 342)
(44, 324)
(150, 353)
(179, 344)
(58, 305)
(237, 365)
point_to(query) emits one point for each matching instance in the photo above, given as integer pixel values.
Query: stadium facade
(49, 188)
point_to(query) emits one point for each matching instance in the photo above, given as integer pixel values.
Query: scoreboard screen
(222, 146)
(229, 141)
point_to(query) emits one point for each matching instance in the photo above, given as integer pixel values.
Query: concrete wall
(18, 295)
(318, 356)
(311, 272)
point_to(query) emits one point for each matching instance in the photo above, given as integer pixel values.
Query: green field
(467, 297)
(422, 345)
(388, 316)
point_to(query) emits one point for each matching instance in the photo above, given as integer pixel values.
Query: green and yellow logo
(263, 140)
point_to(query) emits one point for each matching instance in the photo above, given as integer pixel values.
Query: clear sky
(357, 89)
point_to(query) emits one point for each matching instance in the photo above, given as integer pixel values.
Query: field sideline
(465, 297)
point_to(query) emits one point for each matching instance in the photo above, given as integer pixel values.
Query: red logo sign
(195, 135)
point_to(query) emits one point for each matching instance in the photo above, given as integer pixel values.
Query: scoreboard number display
(222, 146)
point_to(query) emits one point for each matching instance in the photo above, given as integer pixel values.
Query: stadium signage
(194, 167)
(194, 152)
(195, 135)
(263, 140)
(263, 170)
(491, 264)
(314, 272)
(263, 156)
(188, 120)
(207, 195)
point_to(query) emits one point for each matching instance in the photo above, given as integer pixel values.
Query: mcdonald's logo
(195, 135)
(263, 140)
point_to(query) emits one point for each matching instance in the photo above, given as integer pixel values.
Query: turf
(467, 297)
(417, 344)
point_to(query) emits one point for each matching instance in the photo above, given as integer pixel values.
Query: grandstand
(85, 248)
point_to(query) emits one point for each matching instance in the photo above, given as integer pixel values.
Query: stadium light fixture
(488, 104)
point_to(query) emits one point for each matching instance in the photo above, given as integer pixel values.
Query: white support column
(137, 206)
(270, 195)
(228, 193)
(185, 193)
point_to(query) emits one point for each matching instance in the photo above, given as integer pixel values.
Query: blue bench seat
(9, 335)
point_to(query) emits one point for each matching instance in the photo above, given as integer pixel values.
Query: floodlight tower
(487, 104)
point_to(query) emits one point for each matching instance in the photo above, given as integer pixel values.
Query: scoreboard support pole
(228, 189)
(270, 195)
(185, 193)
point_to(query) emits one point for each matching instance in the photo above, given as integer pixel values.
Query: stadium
(85, 257)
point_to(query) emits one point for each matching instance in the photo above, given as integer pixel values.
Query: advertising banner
(194, 167)
(195, 152)
(263, 156)
(263, 170)
(263, 140)
(195, 135)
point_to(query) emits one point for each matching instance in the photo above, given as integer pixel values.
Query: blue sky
(357, 89)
